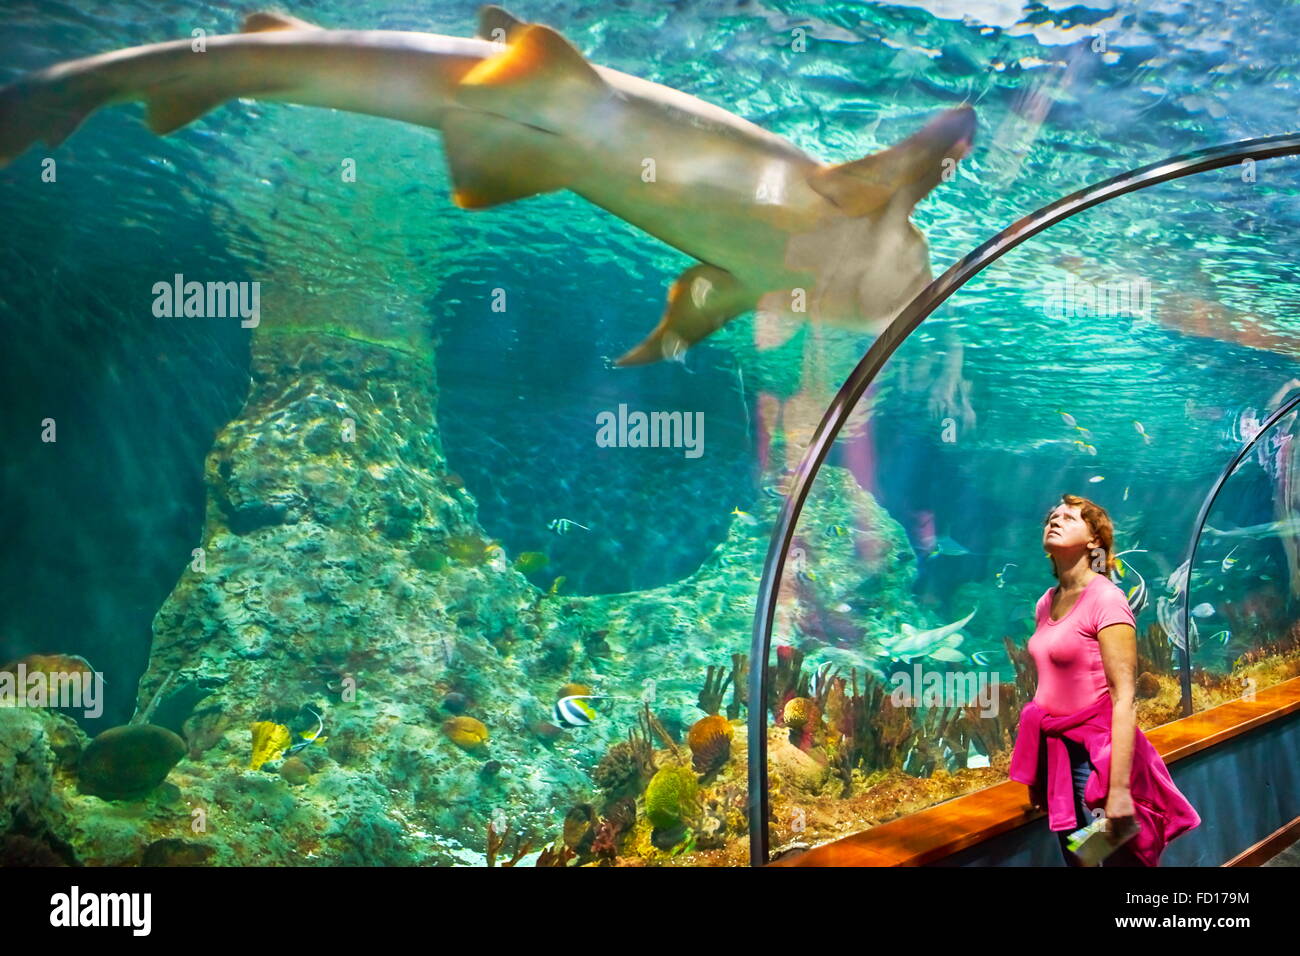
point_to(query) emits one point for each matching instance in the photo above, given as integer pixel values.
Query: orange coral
(710, 742)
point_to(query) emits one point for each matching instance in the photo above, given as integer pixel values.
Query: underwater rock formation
(344, 578)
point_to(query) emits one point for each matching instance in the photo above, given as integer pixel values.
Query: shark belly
(731, 204)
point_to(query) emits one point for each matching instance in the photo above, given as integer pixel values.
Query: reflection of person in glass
(1078, 747)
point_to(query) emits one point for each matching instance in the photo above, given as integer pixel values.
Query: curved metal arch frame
(1185, 652)
(929, 299)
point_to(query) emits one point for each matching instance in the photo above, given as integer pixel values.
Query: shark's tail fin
(50, 104)
(909, 169)
(45, 108)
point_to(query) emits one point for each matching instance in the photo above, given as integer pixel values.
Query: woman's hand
(1119, 812)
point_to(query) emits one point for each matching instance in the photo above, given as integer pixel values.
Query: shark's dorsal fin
(492, 19)
(908, 170)
(536, 54)
(538, 80)
(265, 20)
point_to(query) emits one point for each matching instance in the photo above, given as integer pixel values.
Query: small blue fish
(1085, 447)
(1203, 610)
(1221, 636)
(1096, 478)
(1126, 492)
(839, 530)
(1142, 431)
(1001, 576)
(564, 525)
(983, 658)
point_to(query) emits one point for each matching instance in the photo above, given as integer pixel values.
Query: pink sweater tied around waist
(1160, 809)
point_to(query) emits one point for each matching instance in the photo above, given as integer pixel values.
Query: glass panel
(390, 567)
(1111, 357)
(1242, 593)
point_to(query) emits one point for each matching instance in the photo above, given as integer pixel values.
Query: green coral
(671, 796)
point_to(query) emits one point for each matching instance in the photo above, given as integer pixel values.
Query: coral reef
(710, 743)
(671, 796)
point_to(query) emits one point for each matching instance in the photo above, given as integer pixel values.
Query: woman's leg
(1080, 768)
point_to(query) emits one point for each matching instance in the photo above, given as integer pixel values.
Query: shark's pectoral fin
(539, 80)
(909, 169)
(495, 160)
(702, 300)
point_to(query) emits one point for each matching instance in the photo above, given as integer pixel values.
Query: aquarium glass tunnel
(584, 441)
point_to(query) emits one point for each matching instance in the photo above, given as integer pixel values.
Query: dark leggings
(1081, 769)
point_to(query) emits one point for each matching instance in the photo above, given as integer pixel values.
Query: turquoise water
(100, 525)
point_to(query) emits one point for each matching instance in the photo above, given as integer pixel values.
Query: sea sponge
(466, 733)
(671, 796)
(125, 763)
(1147, 686)
(710, 742)
(800, 712)
(295, 771)
(270, 740)
(618, 771)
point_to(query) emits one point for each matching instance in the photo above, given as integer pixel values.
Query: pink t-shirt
(1070, 673)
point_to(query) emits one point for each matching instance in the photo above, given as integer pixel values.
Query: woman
(1078, 747)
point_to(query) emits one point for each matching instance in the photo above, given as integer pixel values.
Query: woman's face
(1065, 531)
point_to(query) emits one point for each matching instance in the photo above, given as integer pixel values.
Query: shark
(522, 112)
(1271, 529)
(938, 643)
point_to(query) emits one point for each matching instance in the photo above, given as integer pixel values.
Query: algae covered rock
(125, 763)
(174, 852)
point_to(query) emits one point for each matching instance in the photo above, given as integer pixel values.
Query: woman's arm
(1119, 658)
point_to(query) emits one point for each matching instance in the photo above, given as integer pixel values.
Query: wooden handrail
(946, 828)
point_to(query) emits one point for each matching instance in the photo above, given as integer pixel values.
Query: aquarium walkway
(930, 835)
(851, 392)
